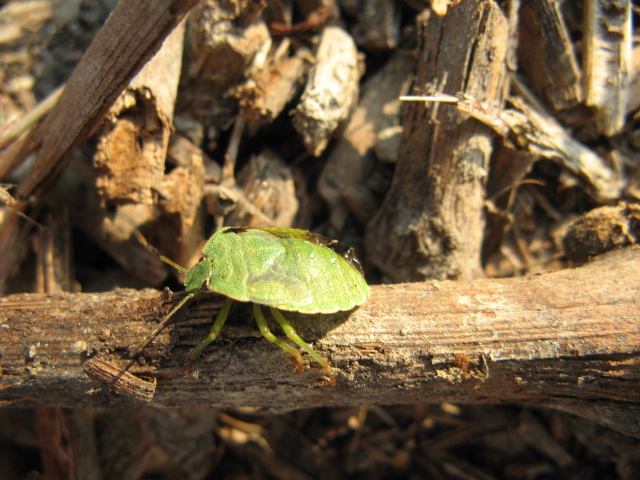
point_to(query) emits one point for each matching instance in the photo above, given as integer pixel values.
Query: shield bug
(279, 268)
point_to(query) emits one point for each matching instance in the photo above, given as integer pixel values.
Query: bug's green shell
(289, 273)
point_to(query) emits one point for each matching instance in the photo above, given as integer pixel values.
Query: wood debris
(433, 228)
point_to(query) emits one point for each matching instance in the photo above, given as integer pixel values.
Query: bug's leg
(163, 323)
(215, 329)
(266, 333)
(291, 333)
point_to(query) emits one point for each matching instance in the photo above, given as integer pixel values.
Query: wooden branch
(569, 339)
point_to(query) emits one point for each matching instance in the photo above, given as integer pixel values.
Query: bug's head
(198, 277)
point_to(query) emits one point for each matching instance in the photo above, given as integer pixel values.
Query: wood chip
(331, 91)
(120, 381)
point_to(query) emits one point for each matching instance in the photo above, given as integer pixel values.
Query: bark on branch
(569, 339)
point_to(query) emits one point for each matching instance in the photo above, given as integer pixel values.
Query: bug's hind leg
(291, 333)
(266, 333)
(215, 330)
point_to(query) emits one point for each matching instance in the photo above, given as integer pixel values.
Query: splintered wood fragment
(377, 25)
(120, 381)
(431, 223)
(343, 181)
(331, 90)
(268, 184)
(266, 94)
(536, 132)
(540, 133)
(547, 56)
(567, 338)
(607, 61)
(132, 146)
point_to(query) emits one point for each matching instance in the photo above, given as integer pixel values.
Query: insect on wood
(280, 268)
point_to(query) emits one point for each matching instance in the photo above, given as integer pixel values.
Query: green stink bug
(281, 268)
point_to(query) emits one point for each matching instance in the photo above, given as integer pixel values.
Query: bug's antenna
(155, 251)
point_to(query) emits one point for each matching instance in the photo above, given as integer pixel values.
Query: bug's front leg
(156, 331)
(215, 330)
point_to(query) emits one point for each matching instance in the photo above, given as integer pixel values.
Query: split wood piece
(268, 184)
(377, 25)
(431, 223)
(266, 94)
(132, 145)
(547, 56)
(130, 37)
(538, 132)
(607, 61)
(226, 42)
(343, 183)
(331, 90)
(570, 338)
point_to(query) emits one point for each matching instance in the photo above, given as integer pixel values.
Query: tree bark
(569, 339)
